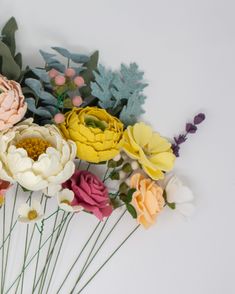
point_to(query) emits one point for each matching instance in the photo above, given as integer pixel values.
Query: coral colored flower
(97, 134)
(153, 152)
(37, 157)
(90, 193)
(12, 103)
(147, 199)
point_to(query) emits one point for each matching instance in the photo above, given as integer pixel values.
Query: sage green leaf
(8, 33)
(10, 68)
(18, 59)
(41, 111)
(131, 210)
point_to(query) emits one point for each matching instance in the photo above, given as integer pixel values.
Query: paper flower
(90, 193)
(151, 150)
(147, 199)
(97, 134)
(4, 186)
(30, 213)
(37, 157)
(65, 199)
(181, 195)
(12, 104)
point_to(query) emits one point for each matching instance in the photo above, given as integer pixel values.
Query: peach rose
(12, 104)
(147, 199)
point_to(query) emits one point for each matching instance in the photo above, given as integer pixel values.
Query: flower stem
(107, 260)
(78, 257)
(3, 249)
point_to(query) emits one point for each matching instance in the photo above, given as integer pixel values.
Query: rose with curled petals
(90, 193)
(12, 103)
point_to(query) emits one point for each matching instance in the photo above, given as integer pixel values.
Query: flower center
(2, 200)
(34, 146)
(32, 214)
(65, 202)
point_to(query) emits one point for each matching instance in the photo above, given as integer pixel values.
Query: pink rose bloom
(12, 104)
(90, 193)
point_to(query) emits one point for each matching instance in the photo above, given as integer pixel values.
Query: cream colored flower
(30, 213)
(12, 103)
(65, 199)
(37, 157)
(180, 195)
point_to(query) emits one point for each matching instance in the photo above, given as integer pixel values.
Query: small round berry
(70, 72)
(134, 165)
(59, 118)
(122, 175)
(79, 81)
(59, 80)
(53, 73)
(77, 101)
(117, 157)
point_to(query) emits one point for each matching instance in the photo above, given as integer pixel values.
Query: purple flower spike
(180, 139)
(190, 128)
(199, 118)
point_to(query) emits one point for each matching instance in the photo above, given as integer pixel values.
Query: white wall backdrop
(187, 50)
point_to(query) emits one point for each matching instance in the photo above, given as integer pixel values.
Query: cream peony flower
(37, 157)
(12, 104)
(65, 201)
(30, 214)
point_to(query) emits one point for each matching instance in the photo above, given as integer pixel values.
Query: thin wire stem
(3, 249)
(78, 257)
(107, 260)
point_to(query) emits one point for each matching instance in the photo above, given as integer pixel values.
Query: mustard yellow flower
(97, 134)
(153, 152)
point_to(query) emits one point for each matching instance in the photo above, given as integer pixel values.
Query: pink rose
(12, 104)
(90, 193)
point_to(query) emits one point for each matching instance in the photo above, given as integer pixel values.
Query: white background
(187, 50)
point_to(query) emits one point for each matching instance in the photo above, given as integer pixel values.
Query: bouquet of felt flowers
(71, 143)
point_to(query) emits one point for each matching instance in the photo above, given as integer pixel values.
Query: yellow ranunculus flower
(153, 152)
(97, 134)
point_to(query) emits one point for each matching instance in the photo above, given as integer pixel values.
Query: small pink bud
(79, 81)
(70, 72)
(59, 118)
(53, 73)
(77, 101)
(59, 80)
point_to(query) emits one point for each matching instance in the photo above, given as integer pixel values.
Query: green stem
(107, 260)
(3, 249)
(58, 254)
(32, 258)
(90, 253)
(78, 257)
(9, 239)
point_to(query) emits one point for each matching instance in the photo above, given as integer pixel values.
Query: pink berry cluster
(69, 78)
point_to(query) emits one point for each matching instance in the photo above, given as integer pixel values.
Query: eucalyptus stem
(107, 260)
(90, 253)
(32, 258)
(101, 245)
(78, 257)
(48, 262)
(3, 249)
(58, 254)
(9, 239)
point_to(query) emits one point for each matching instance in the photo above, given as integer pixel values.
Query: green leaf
(18, 59)
(130, 195)
(171, 205)
(91, 65)
(8, 33)
(131, 210)
(10, 68)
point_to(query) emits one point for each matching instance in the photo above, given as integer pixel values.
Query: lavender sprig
(190, 128)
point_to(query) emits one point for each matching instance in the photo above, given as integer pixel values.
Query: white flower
(37, 157)
(32, 213)
(65, 199)
(181, 195)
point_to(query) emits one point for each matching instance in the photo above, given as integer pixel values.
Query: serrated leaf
(41, 111)
(101, 87)
(8, 33)
(131, 210)
(9, 67)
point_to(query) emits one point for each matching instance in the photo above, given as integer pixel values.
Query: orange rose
(147, 199)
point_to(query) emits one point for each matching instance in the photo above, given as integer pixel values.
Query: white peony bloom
(30, 214)
(181, 195)
(37, 157)
(65, 199)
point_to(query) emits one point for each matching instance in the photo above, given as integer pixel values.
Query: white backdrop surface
(187, 50)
